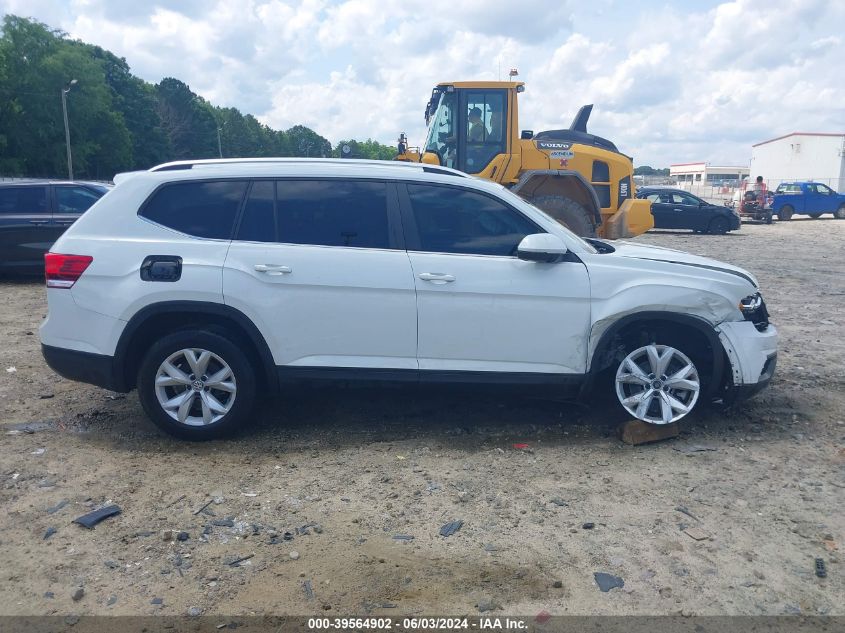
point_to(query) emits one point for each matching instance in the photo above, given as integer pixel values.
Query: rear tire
(197, 385)
(719, 226)
(568, 213)
(840, 213)
(785, 213)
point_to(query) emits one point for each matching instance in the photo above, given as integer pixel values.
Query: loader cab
(467, 127)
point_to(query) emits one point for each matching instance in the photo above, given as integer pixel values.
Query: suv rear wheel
(196, 385)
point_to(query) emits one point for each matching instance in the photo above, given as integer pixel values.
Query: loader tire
(569, 213)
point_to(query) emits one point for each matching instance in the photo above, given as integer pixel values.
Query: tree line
(117, 121)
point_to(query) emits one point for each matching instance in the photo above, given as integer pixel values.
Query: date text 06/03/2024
(417, 624)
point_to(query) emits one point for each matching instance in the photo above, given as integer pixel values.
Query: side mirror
(541, 247)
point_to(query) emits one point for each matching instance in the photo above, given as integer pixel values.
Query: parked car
(807, 198)
(33, 214)
(208, 284)
(678, 209)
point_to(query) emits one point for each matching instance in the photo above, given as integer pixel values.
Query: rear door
(25, 232)
(480, 308)
(70, 202)
(660, 209)
(320, 268)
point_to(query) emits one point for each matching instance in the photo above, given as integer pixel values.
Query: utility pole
(219, 143)
(67, 128)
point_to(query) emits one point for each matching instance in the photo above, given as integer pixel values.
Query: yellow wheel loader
(578, 178)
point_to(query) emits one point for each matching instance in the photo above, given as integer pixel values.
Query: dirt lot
(764, 481)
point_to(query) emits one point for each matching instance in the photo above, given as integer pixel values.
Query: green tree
(369, 149)
(306, 142)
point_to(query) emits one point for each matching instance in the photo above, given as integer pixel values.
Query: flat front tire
(197, 385)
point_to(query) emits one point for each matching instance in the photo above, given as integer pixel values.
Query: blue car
(807, 198)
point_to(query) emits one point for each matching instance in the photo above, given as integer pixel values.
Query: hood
(672, 256)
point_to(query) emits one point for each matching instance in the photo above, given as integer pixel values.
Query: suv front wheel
(657, 384)
(196, 385)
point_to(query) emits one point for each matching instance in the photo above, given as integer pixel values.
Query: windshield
(441, 133)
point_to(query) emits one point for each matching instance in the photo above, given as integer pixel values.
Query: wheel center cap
(197, 385)
(656, 384)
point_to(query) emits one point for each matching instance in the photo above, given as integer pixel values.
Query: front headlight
(753, 309)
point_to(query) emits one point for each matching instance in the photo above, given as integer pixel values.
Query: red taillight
(62, 271)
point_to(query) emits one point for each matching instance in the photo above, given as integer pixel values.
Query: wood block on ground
(636, 432)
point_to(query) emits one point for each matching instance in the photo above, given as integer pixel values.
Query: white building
(702, 176)
(801, 156)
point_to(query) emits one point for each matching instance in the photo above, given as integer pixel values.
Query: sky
(672, 82)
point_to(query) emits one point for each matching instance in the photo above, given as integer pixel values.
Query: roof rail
(190, 164)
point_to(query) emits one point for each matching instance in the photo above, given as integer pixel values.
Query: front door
(319, 267)
(480, 308)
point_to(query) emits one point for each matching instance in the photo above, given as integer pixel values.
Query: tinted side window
(75, 199)
(332, 213)
(201, 209)
(23, 200)
(453, 220)
(259, 219)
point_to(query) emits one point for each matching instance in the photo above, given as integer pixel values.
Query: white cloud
(670, 83)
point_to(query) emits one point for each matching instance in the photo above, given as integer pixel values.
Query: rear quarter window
(23, 200)
(202, 208)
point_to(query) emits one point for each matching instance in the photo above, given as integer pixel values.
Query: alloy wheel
(195, 387)
(657, 384)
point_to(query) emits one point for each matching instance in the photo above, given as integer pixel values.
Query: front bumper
(752, 356)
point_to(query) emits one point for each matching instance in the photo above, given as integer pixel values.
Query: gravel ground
(346, 472)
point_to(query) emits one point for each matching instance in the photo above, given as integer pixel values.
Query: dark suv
(33, 214)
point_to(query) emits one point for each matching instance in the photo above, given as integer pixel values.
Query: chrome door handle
(273, 269)
(437, 278)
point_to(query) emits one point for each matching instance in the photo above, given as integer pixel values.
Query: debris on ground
(227, 522)
(606, 582)
(685, 510)
(203, 507)
(183, 536)
(821, 568)
(696, 533)
(93, 518)
(403, 537)
(50, 531)
(487, 604)
(558, 502)
(691, 449)
(557, 584)
(157, 601)
(195, 612)
(61, 504)
(451, 528)
(77, 594)
(520, 446)
(637, 432)
(308, 589)
(542, 617)
(239, 560)
(589, 525)
(294, 555)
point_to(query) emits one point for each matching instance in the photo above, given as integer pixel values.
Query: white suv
(206, 283)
